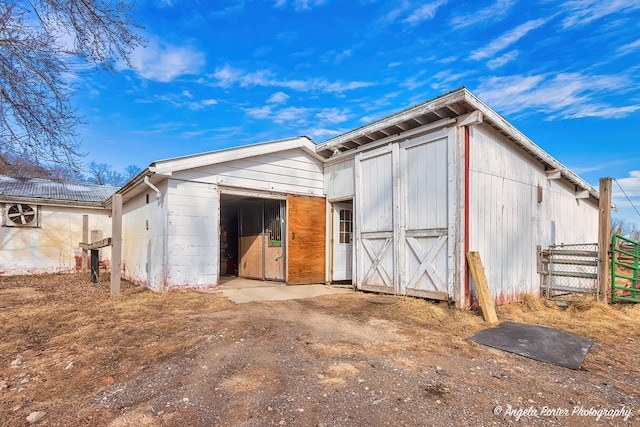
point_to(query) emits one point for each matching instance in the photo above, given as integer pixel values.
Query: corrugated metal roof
(36, 188)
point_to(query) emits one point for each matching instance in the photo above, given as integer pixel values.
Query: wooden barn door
(306, 240)
(402, 218)
(424, 244)
(375, 224)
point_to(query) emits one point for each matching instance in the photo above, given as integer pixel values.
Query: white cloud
(228, 76)
(493, 13)
(165, 62)
(581, 12)
(444, 80)
(299, 4)
(335, 58)
(397, 12)
(565, 95)
(425, 12)
(628, 48)
(631, 184)
(182, 100)
(415, 81)
(322, 133)
(289, 115)
(507, 39)
(503, 59)
(333, 115)
(278, 98)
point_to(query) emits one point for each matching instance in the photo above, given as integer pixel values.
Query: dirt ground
(73, 356)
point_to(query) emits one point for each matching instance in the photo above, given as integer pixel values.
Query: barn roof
(47, 191)
(444, 110)
(161, 169)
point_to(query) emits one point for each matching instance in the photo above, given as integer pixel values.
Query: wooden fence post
(116, 249)
(604, 237)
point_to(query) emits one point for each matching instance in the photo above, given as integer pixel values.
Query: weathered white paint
(342, 250)
(374, 226)
(193, 241)
(424, 222)
(54, 246)
(339, 180)
(402, 217)
(292, 171)
(506, 222)
(144, 242)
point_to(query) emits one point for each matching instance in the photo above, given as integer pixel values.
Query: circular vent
(21, 214)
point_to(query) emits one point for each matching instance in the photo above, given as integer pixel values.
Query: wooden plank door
(375, 225)
(305, 240)
(425, 240)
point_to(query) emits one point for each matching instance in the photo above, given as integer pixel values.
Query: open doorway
(342, 238)
(251, 237)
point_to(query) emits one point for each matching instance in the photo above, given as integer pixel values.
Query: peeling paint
(52, 247)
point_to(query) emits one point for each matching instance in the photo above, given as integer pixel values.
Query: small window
(20, 215)
(273, 222)
(346, 225)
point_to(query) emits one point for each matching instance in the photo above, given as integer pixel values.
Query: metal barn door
(424, 243)
(402, 219)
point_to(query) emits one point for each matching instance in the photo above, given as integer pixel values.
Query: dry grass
(72, 333)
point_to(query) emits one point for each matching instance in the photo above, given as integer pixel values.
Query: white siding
(192, 234)
(339, 180)
(506, 222)
(290, 172)
(144, 239)
(53, 247)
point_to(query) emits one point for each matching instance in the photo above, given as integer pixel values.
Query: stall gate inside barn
(625, 269)
(569, 269)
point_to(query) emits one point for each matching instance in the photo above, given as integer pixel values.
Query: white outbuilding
(42, 224)
(392, 207)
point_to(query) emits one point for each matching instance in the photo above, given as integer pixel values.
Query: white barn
(42, 224)
(446, 177)
(392, 207)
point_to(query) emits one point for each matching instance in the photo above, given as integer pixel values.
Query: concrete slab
(240, 290)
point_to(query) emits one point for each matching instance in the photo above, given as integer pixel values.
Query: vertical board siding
(374, 218)
(144, 239)
(305, 240)
(339, 180)
(54, 246)
(291, 171)
(376, 196)
(424, 221)
(506, 222)
(193, 218)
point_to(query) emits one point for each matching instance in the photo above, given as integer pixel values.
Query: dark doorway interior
(251, 237)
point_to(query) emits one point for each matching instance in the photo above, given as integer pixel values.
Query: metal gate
(570, 269)
(624, 269)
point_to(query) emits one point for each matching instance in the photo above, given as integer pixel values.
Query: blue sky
(223, 73)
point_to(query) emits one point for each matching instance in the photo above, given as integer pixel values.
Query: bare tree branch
(37, 119)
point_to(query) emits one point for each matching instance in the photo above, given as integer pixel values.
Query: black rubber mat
(537, 342)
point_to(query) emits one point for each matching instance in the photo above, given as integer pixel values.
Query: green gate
(624, 269)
